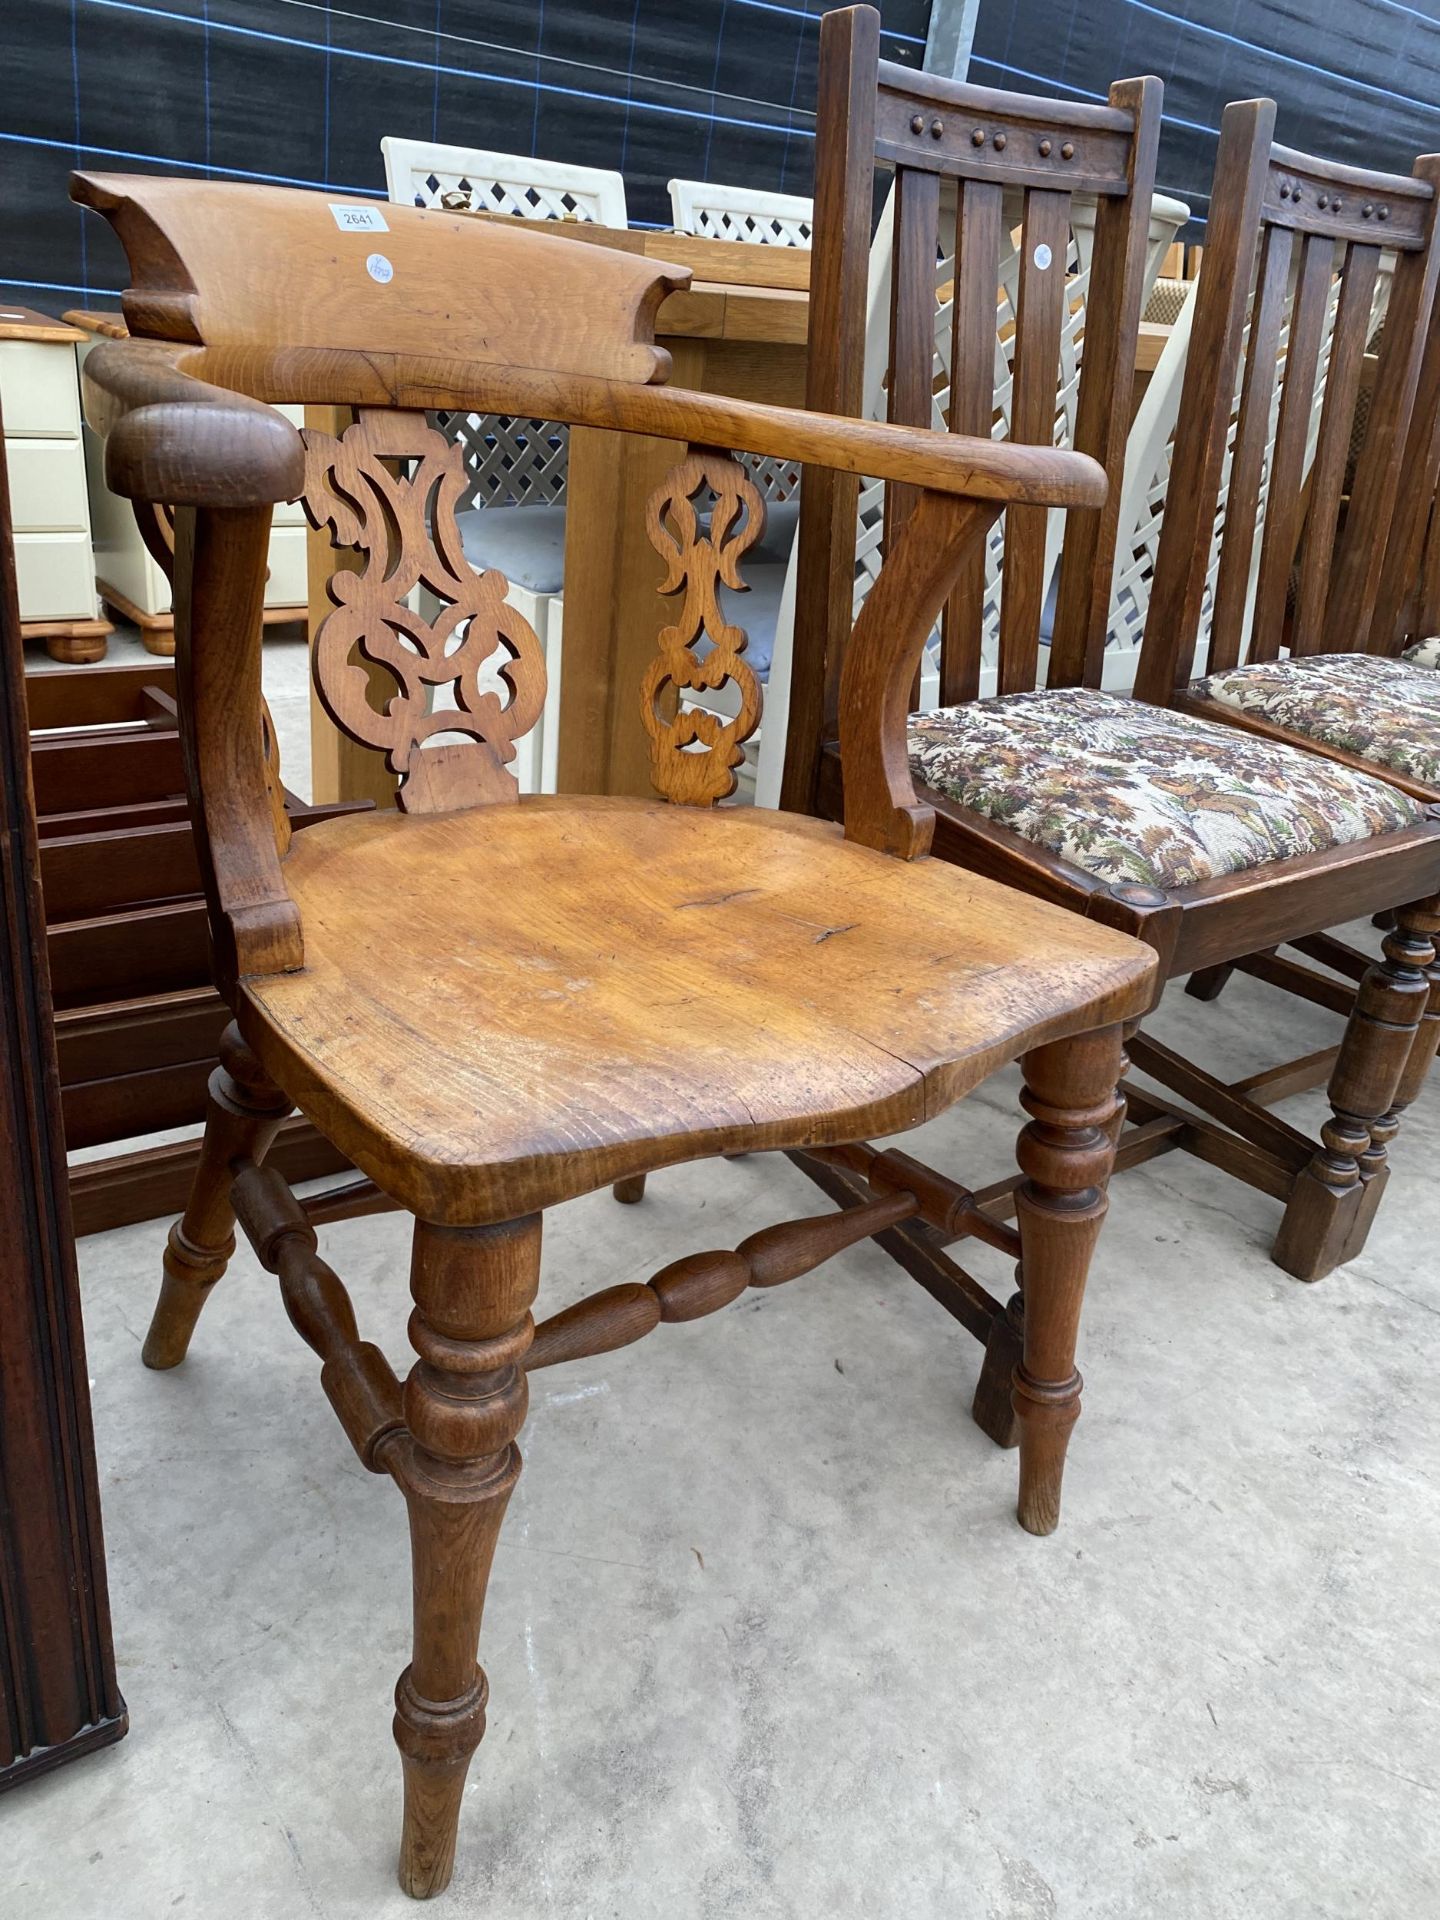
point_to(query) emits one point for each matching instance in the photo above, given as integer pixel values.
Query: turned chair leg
(1335, 1198)
(242, 1118)
(1066, 1154)
(465, 1401)
(993, 1408)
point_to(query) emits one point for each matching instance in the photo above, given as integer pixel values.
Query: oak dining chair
(1289, 627)
(1203, 842)
(492, 1004)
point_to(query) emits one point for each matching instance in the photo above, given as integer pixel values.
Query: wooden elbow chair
(1194, 838)
(478, 997)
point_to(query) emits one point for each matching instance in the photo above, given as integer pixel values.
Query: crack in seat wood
(494, 1004)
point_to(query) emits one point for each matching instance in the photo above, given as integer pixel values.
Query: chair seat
(526, 544)
(1384, 711)
(504, 1008)
(1134, 792)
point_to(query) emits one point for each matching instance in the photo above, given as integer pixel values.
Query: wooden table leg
(612, 627)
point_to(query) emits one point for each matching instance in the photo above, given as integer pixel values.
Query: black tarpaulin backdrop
(1355, 80)
(299, 92)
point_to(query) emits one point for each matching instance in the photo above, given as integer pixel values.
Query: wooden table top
(23, 323)
(111, 325)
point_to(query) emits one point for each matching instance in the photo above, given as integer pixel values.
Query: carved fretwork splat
(388, 488)
(694, 753)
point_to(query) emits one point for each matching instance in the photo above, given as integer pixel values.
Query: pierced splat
(694, 752)
(389, 488)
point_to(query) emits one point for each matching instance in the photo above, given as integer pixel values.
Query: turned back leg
(243, 1115)
(465, 1402)
(1335, 1198)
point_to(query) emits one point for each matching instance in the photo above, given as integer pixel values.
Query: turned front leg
(465, 1401)
(242, 1117)
(1066, 1154)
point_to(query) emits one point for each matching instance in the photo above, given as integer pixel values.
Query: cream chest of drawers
(40, 400)
(131, 583)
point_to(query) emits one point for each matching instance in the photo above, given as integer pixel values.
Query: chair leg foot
(465, 1401)
(629, 1190)
(1380, 1067)
(1066, 1153)
(1208, 983)
(993, 1408)
(242, 1118)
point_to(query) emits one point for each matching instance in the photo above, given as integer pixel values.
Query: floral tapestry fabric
(1384, 711)
(1425, 653)
(1128, 791)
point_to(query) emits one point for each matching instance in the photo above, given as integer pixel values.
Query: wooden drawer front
(39, 392)
(47, 486)
(287, 585)
(56, 572)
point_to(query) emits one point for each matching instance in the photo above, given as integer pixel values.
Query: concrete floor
(763, 1637)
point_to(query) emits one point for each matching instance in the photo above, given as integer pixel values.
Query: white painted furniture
(40, 400)
(512, 515)
(741, 213)
(131, 581)
(419, 172)
(1167, 218)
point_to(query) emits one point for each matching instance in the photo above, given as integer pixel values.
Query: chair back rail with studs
(475, 996)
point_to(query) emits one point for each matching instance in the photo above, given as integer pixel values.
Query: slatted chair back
(1152, 451)
(1002, 157)
(1407, 608)
(1257, 485)
(1167, 217)
(748, 214)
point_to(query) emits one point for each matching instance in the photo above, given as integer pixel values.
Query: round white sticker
(379, 268)
(1041, 257)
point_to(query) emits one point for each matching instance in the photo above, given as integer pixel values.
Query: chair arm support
(921, 569)
(171, 438)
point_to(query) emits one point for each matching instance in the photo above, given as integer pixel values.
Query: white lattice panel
(741, 213)
(419, 172)
(509, 462)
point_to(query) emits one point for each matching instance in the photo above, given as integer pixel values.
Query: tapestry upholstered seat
(1381, 710)
(1127, 791)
